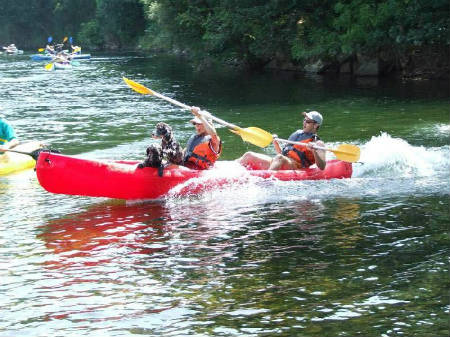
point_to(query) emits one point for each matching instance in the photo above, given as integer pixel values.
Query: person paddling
(8, 138)
(63, 58)
(11, 48)
(290, 156)
(76, 50)
(204, 147)
(49, 49)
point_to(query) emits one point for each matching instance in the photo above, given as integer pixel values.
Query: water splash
(385, 156)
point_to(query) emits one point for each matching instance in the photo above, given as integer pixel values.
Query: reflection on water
(209, 265)
(84, 238)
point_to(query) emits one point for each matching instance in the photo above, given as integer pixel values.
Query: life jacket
(199, 154)
(300, 153)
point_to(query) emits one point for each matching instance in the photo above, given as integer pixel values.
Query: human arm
(275, 143)
(319, 155)
(7, 135)
(9, 145)
(209, 128)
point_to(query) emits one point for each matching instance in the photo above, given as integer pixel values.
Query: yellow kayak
(13, 162)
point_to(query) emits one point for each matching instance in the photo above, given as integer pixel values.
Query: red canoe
(123, 180)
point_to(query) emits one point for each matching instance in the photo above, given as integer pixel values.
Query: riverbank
(415, 64)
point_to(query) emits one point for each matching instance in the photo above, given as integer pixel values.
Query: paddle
(254, 135)
(34, 154)
(251, 134)
(345, 152)
(41, 50)
(50, 66)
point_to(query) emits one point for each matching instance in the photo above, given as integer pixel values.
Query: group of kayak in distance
(60, 55)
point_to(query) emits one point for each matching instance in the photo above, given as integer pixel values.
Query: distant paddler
(76, 50)
(12, 49)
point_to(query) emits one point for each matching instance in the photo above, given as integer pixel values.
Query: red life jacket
(199, 154)
(299, 153)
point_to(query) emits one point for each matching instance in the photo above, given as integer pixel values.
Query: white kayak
(13, 52)
(62, 66)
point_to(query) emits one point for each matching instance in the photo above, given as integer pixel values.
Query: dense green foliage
(251, 32)
(93, 23)
(257, 31)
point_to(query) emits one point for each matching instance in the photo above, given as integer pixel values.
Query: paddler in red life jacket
(205, 146)
(292, 157)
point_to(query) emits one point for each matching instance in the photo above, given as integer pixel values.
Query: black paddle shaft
(34, 154)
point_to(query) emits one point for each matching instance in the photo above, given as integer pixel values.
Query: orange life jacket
(199, 154)
(299, 153)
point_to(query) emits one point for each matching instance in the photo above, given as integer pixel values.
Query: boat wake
(388, 166)
(385, 156)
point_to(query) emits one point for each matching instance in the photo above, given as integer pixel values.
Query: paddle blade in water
(138, 87)
(49, 66)
(347, 152)
(255, 136)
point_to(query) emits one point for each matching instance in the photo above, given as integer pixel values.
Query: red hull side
(122, 180)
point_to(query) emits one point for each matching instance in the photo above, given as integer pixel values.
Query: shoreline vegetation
(405, 38)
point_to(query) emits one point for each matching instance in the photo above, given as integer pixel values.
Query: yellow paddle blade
(347, 152)
(41, 49)
(255, 136)
(138, 87)
(65, 39)
(49, 66)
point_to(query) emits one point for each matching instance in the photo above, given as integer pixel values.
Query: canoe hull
(62, 66)
(123, 180)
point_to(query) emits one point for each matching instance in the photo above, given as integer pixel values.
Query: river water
(366, 256)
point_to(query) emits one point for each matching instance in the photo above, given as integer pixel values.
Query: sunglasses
(308, 121)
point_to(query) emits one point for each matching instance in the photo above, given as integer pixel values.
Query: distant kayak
(48, 57)
(123, 180)
(12, 162)
(14, 52)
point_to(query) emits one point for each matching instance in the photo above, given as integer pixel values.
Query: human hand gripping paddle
(253, 135)
(49, 40)
(345, 152)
